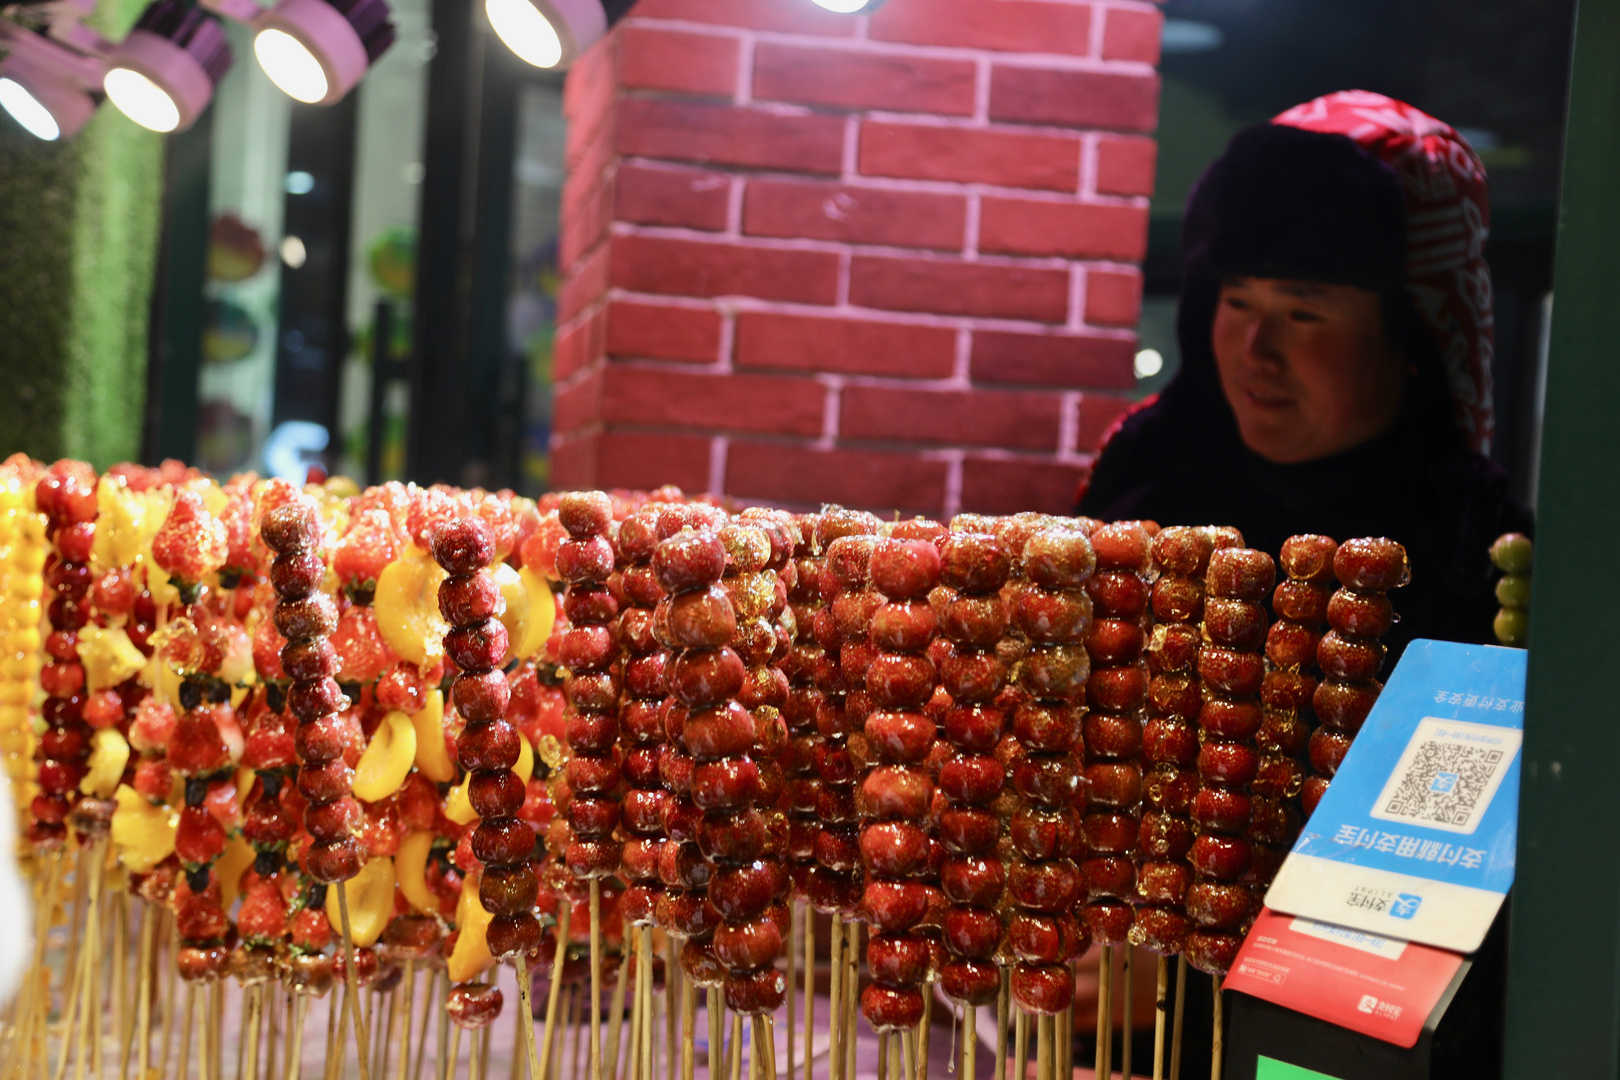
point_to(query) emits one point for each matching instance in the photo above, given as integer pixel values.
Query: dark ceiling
(1498, 69)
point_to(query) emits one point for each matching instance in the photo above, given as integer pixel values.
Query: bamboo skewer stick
(644, 976)
(795, 931)
(168, 993)
(185, 1031)
(688, 1024)
(1161, 1001)
(143, 996)
(428, 999)
(734, 1059)
(852, 961)
(611, 1066)
(280, 1004)
(770, 1050)
(809, 993)
(674, 976)
(576, 1005)
(565, 911)
(1127, 970)
(596, 979)
(451, 1062)
(409, 1010)
(835, 1017)
(349, 976)
(717, 1034)
(908, 1050)
(295, 1038)
(247, 1049)
(1020, 1044)
(883, 1056)
(525, 1022)
(1105, 1012)
(1219, 1036)
(1043, 1047)
(971, 1043)
(1001, 1023)
(120, 949)
(1181, 1001)
(922, 1031)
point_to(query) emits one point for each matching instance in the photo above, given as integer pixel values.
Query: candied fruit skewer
(22, 598)
(591, 654)
(1054, 612)
(207, 742)
(290, 526)
(723, 733)
(1300, 603)
(1170, 740)
(640, 717)
(1350, 655)
(846, 538)
(804, 697)
(488, 748)
(973, 875)
(897, 792)
(646, 684)
(1117, 693)
(66, 496)
(1232, 667)
(1512, 554)
(695, 616)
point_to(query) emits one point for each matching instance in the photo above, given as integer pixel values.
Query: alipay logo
(1405, 906)
(1368, 1003)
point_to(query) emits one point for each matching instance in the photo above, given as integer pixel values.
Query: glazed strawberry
(192, 543)
(363, 655)
(370, 544)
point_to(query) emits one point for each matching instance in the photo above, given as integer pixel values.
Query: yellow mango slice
(432, 756)
(525, 762)
(542, 614)
(108, 656)
(470, 958)
(109, 753)
(514, 607)
(407, 605)
(121, 524)
(457, 806)
(410, 866)
(371, 901)
(231, 866)
(388, 758)
(142, 832)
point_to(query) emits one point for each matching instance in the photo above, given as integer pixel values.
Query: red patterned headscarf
(1448, 217)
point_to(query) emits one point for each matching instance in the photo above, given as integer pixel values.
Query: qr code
(1448, 774)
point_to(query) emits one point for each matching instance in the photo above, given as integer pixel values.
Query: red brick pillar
(889, 261)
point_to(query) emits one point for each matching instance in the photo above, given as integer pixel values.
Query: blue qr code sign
(1405, 906)
(1443, 782)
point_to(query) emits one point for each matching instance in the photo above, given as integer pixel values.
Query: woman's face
(1305, 366)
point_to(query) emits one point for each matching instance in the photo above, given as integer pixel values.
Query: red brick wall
(888, 260)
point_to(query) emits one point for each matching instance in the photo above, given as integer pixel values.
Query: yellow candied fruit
(15, 693)
(432, 755)
(407, 606)
(410, 865)
(457, 806)
(142, 832)
(387, 759)
(122, 525)
(108, 656)
(109, 753)
(371, 901)
(232, 865)
(470, 958)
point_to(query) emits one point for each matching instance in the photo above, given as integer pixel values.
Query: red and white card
(1378, 986)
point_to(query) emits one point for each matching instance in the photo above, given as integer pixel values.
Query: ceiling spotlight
(553, 33)
(851, 7)
(162, 76)
(44, 86)
(317, 50)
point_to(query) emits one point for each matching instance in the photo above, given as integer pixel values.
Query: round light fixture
(550, 33)
(26, 109)
(162, 76)
(317, 50)
(46, 100)
(851, 7)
